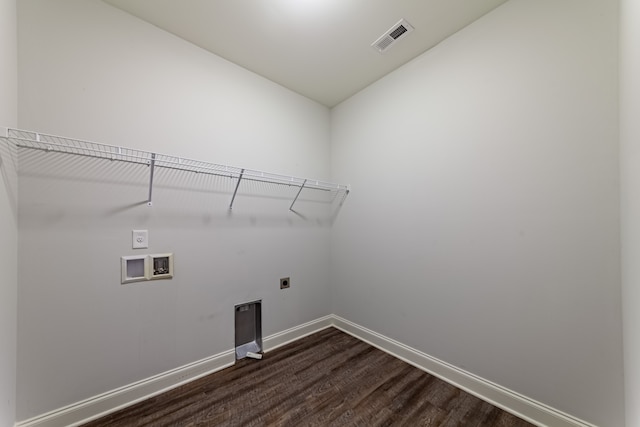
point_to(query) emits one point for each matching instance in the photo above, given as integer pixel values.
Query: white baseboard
(285, 337)
(103, 404)
(528, 409)
(98, 406)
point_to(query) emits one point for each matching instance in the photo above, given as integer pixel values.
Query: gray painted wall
(8, 215)
(630, 186)
(483, 228)
(90, 71)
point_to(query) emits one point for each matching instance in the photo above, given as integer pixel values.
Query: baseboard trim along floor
(510, 401)
(285, 337)
(102, 404)
(529, 410)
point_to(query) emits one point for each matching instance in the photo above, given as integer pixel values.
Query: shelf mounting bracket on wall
(152, 166)
(236, 189)
(297, 195)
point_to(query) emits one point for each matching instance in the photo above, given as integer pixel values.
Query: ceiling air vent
(395, 33)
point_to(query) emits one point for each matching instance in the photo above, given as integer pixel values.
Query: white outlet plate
(140, 239)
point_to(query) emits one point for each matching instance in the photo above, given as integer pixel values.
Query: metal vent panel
(398, 32)
(390, 37)
(384, 43)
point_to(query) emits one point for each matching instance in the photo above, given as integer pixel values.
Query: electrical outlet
(140, 239)
(285, 283)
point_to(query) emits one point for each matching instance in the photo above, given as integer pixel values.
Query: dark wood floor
(326, 379)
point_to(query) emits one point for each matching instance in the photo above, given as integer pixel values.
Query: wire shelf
(59, 144)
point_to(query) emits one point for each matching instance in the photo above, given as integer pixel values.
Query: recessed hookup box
(248, 333)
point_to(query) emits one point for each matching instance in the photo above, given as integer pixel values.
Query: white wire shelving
(59, 144)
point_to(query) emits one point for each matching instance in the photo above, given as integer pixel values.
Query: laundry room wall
(483, 228)
(8, 214)
(92, 72)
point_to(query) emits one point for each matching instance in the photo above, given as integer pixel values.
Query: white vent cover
(395, 33)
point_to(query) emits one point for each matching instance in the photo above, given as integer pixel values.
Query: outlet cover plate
(285, 283)
(140, 239)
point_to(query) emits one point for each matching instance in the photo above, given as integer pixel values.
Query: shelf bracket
(236, 190)
(152, 166)
(297, 195)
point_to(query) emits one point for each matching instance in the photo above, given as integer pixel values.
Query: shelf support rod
(152, 166)
(236, 190)
(297, 195)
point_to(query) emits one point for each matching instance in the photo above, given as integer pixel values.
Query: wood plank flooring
(326, 379)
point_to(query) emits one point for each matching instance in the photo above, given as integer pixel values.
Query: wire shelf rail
(52, 143)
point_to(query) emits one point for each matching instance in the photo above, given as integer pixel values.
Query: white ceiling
(318, 48)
